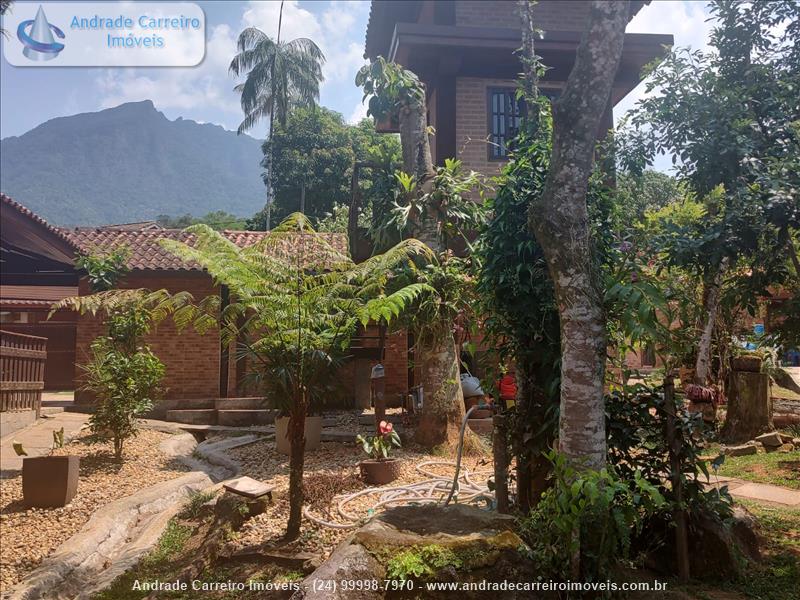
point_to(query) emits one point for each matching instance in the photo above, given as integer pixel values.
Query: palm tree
(279, 76)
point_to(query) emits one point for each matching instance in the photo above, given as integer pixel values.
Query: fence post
(500, 451)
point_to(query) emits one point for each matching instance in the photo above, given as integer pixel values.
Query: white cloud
(332, 32)
(204, 86)
(359, 112)
(208, 88)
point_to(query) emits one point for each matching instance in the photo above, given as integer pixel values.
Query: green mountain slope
(130, 163)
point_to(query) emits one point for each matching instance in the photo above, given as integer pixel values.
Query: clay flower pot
(313, 434)
(49, 481)
(379, 472)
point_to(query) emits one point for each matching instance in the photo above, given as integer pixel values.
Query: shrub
(636, 418)
(590, 514)
(126, 384)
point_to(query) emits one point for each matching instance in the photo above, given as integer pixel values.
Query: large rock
(717, 549)
(743, 450)
(481, 546)
(770, 440)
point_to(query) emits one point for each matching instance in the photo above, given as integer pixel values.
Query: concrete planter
(313, 434)
(49, 481)
(379, 472)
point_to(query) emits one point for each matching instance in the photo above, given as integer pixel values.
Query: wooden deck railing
(22, 359)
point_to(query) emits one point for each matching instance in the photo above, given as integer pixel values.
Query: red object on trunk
(508, 387)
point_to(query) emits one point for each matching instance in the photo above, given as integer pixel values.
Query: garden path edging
(121, 532)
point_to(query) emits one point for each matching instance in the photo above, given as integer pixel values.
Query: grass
(778, 575)
(761, 468)
(196, 501)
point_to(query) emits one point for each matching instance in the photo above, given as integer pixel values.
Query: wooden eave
(489, 52)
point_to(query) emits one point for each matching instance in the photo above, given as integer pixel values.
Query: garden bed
(30, 535)
(329, 471)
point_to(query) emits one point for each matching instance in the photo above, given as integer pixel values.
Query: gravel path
(330, 470)
(30, 535)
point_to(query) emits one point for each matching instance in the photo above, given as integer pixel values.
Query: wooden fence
(22, 359)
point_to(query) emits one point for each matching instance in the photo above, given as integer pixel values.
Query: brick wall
(556, 15)
(191, 360)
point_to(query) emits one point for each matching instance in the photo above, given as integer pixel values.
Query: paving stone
(767, 493)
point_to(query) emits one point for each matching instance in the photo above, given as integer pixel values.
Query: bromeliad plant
(293, 313)
(379, 446)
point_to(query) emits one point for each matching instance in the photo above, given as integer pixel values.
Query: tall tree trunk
(713, 286)
(303, 197)
(297, 443)
(443, 407)
(414, 141)
(559, 220)
(443, 402)
(268, 203)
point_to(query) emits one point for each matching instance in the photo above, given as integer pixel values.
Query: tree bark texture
(417, 161)
(559, 220)
(443, 402)
(713, 286)
(443, 408)
(414, 141)
(749, 407)
(297, 443)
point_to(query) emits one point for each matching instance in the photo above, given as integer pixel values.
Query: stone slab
(248, 487)
(766, 493)
(37, 439)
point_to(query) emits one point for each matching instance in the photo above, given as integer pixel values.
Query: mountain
(130, 163)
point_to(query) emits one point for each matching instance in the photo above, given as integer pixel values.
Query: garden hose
(428, 491)
(455, 485)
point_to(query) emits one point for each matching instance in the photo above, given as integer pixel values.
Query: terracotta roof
(23, 210)
(135, 226)
(35, 295)
(148, 254)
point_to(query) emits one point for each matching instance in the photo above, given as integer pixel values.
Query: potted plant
(379, 469)
(49, 481)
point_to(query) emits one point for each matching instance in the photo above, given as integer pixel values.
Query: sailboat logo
(37, 37)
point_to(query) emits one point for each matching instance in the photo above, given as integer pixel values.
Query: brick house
(464, 52)
(38, 270)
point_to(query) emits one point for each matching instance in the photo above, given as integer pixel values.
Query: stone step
(339, 436)
(369, 418)
(250, 403)
(246, 417)
(48, 411)
(194, 416)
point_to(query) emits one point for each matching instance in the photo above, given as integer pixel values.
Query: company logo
(37, 37)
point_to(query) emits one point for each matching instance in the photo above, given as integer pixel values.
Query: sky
(31, 96)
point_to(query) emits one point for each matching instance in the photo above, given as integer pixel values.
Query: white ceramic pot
(313, 433)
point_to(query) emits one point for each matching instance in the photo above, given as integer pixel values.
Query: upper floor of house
(465, 53)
